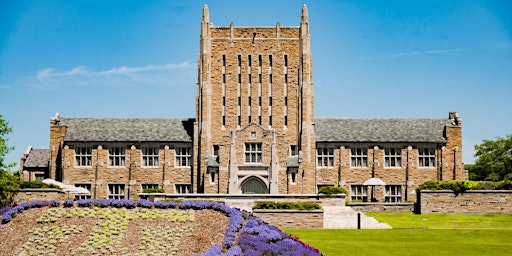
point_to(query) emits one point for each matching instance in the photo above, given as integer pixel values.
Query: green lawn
(427, 234)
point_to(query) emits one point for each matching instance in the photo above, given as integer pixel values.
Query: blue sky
(371, 59)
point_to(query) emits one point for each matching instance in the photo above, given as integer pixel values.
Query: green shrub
(504, 185)
(36, 184)
(173, 200)
(460, 186)
(153, 190)
(332, 190)
(288, 206)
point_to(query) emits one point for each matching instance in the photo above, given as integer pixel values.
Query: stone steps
(342, 217)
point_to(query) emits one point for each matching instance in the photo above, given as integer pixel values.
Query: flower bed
(106, 236)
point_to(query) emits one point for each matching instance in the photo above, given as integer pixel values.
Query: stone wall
(42, 194)
(292, 219)
(382, 207)
(469, 202)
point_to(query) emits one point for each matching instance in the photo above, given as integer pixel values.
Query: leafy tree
(494, 160)
(9, 182)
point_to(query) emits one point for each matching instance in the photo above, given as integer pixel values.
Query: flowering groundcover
(255, 238)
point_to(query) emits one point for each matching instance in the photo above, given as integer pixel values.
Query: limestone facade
(255, 133)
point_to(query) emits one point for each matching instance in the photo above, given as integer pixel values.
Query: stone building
(254, 133)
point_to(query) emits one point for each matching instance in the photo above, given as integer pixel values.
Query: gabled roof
(380, 130)
(37, 158)
(128, 129)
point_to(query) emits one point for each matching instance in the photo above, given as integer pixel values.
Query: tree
(494, 160)
(9, 182)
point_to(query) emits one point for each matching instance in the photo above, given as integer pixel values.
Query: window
(249, 78)
(259, 100)
(253, 153)
(39, 176)
(249, 59)
(324, 157)
(270, 60)
(259, 60)
(150, 156)
(259, 78)
(223, 60)
(285, 120)
(115, 191)
(239, 60)
(239, 120)
(285, 78)
(359, 193)
(269, 120)
(148, 186)
(270, 78)
(239, 78)
(293, 150)
(286, 101)
(358, 157)
(392, 157)
(293, 177)
(270, 101)
(216, 152)
(213, 177)
(249, 101)
(83, 196)
(426, 157)
(183, 188)
(285, 60)
(223, 78)
(116, 156)
(259, 120)
(393, 194)
(239, 100)
(249, 119)
(83, 156)
(223, 120)
(183, 156)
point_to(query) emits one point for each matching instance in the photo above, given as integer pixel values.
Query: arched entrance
(254, 186)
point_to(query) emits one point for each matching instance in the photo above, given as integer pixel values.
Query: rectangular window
(213, 177)
(270, 101)
(223, 120)
(183, 188)
(285, 120)
(259, 78)
(223, 60)
(223, 78)
(270, 60)
(285, 78)
(39, 176)
(116, 156)
(270, 78)
(116, 191)
(239, 120)
(286, 101)
(239, 101)
(249, 101)
(150, 156)
(392, 157)
(224, 101)
(259, 60)
(293, 177)
(393, 194)
(293, 150)
(426, 157)
(259, 101)
(148, 186)
(239, 78)
(249, 59)
(239, 60)
(183, 156)
(358, 157)
(359, 193)
(285, 60)
(269, 120)
(259, 120)
(253, 153)
(249, 119)
(249, 78)
(83, 196)
(83, 156)
(324, 157)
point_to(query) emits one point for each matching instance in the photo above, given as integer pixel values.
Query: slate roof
(380, 130)
(128, 129)
(37, 158)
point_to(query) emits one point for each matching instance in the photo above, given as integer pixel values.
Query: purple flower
(144, 204)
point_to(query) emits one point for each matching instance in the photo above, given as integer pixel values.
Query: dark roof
(128, 129)
(37, 158)
(380, 130)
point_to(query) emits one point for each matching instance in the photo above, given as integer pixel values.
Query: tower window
(223, 60)
(259, 120)
(269, 120)
(223, 120)
(259, 78)
(249, 119)
(286, 101)
(249, 59)
(270, 101)
(270, 60)
(285, 78)
(270, 78)
(239, 120)
(224, 101)
(259, 101)
(259, 60)
(249, 78)
(239, 101)
(249, 101)
(239, 78)
(239, 60)
(285, 60)
(224, 78)
(285, 120)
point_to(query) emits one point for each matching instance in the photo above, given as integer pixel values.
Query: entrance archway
(254, 186)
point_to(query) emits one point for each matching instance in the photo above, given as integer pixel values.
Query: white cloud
(151, 75)
(415, 53)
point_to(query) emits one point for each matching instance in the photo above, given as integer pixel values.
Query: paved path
(335, 217)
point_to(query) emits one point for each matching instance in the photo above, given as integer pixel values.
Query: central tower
(254, 128)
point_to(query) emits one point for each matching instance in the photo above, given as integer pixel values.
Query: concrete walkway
(343, 217)
(335, 217)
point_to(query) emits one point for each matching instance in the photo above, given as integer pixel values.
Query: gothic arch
(254, 185)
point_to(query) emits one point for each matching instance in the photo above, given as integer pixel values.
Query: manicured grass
(427, 234)
(408, 241)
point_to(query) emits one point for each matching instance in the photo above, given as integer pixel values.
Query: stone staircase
(343, 217)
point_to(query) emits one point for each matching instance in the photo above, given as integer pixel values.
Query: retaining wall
(470, 202)
(292, 219)
(42, 194)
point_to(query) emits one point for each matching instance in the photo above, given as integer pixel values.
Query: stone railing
(472, 202)
(292, 219)
(42, 194)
